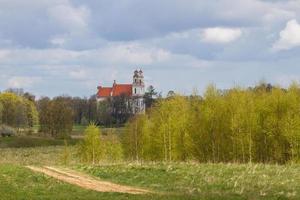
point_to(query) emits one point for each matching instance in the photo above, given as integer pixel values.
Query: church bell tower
(138, 87)
(138, 92)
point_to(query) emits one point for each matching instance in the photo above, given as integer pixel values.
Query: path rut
(85, 181)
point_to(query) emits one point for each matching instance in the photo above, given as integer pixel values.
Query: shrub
(90, 149)
(7, 131)
(96, 148)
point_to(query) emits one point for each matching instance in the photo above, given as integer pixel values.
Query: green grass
(208, 181)
(31, 141)
(20, 183)
(175, 180)
(79, 130)
(51, 155)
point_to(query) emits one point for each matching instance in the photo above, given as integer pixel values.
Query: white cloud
(21, 81)
(221, 35)
(114, 53)
(74, 19)
(4, 53)
(289, 36)
(133, 53)
(58, 41)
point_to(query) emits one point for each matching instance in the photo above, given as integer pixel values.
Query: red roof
(104, 91)
(119, 89)
(116, 90)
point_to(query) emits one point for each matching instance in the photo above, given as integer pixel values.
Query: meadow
(169, 180)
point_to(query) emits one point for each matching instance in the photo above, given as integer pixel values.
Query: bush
(90, 148)
(96, 148)
(7, 131)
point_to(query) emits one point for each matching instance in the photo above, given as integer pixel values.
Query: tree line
(17, 111)
(56, 116)
(259, 124)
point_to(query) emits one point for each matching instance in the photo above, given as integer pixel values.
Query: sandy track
(85, 181)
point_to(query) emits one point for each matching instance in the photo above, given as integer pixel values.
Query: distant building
(135, 91)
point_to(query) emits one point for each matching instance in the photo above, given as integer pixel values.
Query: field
(168, 180)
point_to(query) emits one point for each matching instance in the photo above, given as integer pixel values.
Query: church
(135, 91)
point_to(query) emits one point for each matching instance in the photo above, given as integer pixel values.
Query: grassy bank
(48, 155)
(174, 180)
(207, 181)
(20, 183)
(31, 141)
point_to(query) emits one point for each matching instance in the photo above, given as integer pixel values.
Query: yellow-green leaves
(90, 148)
(17, 111)
(260, 124)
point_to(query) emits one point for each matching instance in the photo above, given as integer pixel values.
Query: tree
(150, 96)
(1, 109)
(291, 124)
(104, 113)
(17, 111)
(21, 120)
(260, 124)
(133, 137)
(43, 106)
(90, 148)
(56, 116)
(120, 108)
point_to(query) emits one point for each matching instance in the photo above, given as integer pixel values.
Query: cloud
(58, 41)
(289, 36)
(133, 53)
(221, 35)
(22, 82)
(73, 19)
(70, 43)
(4, 53)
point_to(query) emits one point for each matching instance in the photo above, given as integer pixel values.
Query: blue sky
(54, 47)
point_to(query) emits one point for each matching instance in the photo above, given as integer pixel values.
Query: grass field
(20, 183)
(31, 141)
(79, 129)
(171, 181)
(208, 181)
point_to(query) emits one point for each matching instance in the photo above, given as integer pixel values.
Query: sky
(55, 47)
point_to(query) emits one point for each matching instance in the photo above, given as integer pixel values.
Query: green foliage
(150, 96)
(17, 111)
(112, 148)
(1, 110)
(260, 124)
(104, 116)
(90, 148)
(33, 141)
(96, 148)
(56, 117)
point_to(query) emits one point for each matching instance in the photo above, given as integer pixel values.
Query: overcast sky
(54, 47)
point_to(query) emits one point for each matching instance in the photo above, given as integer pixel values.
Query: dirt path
(85, 181)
